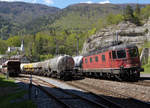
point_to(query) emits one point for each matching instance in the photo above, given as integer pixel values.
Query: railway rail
(63, 105)
(103, 103)
(107, 103)
(131, 100)
(142, 83)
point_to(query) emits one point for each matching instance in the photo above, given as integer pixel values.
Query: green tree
(145, 12)
(3, 46)
(128, 15)
(45, 57)
(114, 19)
(14, 41)
(137, 11)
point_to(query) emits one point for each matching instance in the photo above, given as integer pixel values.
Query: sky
(65, 3)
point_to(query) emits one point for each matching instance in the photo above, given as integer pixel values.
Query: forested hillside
(26, 18)
(48, 30)
(19, 16)
(20, 12)
(85, 16)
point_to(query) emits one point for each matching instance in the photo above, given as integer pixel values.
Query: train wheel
(137, 76)
(60, 77)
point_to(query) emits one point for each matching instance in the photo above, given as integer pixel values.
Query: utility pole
(117, 36)
(77, 50)
(57, 46)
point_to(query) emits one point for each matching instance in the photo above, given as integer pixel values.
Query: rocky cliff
(126, 32)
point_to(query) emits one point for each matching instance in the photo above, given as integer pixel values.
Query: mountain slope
(21, 12)
(18, 17)
(85, 16)
(26, 18)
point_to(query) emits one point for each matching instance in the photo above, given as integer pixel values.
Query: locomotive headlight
(128, 65)
(136, 64)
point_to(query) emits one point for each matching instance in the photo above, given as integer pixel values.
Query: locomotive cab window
(96, 58)
(90, 60)
(114, 54)
(133, 52)
(121, 54)
(103, 58)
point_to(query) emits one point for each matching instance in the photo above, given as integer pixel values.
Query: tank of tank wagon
(27, 68)
(44, 67)
(62, 65)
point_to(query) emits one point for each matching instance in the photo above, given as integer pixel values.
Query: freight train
(60, 67)
(118, 61)
(11, 67)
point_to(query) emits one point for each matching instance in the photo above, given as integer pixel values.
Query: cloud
(104, 2)
(89, 2)
(11, 0)
(48, 1)
(34, 1)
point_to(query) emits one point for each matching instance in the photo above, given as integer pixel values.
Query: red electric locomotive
(119, 61)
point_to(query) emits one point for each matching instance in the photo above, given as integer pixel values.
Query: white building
(19, 49)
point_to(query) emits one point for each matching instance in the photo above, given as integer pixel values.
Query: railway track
(142, 83)
(130, 100)
(102, 104)
(63, 105)
(106, 102)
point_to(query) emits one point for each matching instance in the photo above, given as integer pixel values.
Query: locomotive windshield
(121, 54)
(133, 52)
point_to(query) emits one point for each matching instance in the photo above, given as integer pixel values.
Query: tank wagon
(60, 67)
(37, 68)
(119, 61)
(27, 68)
(11, 67)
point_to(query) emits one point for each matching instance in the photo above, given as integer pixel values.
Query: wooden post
(30, 86)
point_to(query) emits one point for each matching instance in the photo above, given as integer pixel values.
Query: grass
(5, 83)
(9, 92)
(146, 68)
(5, 101)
